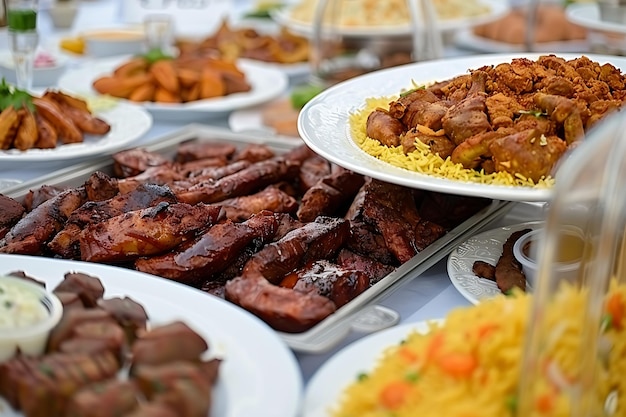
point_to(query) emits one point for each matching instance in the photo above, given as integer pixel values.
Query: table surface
(428, 296)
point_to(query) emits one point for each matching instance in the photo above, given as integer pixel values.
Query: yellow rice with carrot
(422, 160)
(469, 365)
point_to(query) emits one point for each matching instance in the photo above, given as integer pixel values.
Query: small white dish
(45, 74)
(112, 42)
(29, 312)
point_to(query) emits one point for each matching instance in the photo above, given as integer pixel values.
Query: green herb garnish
(362, 376)
(606, 323)
(511, 404)
(22, 20)
(303, 94)
(262, 12)
(13, 96)
(412, 376)
(156, 54)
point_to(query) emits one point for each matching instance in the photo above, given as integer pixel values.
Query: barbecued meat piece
(484, 270)
(392, 210)
(128, 313)
(215, 288)
(331, 195)
(246, 181)
(95, 337)
(371, 267)
(213, 252)
(254, 153)
(449, 210)
(67, 242)
(466, 119)
(502, 110)
(299, 154)
(410, 103)
(384, 128)
(44, 386)
(438, 144)
(283, 308)
(132, 162)
(149, 231)
(24, 276)
(30, 235)
(327, 279)
(270, 198)
(10, 212)
(100, 186)
(313, 170)
(72, 319)
(508, 271)
(194, 150)
(110, 398)
(35, 197)
(175, 341)
(89, 289)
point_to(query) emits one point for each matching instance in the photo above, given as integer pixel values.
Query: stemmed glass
(23, 38)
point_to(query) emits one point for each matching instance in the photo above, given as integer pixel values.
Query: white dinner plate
(588, 16)
(324, 123)
(485, 246)
(497, 9)
(128, 122)
(327, 384)
(267, 83)
(259, 375)
(467, 39)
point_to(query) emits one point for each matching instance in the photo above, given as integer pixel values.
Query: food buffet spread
(382, 258)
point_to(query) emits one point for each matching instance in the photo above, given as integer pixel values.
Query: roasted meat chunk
(171, 342)
(508, 270)
(384, 128)
(10, 212)
(135, 161)
(145, 232)
(88, 288)
(194, 150)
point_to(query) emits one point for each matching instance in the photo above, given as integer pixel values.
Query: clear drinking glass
(159, 32)
(593, 202)
(349, 38)
(23, 38)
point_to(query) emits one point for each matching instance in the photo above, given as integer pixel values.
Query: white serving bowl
(111, 42)
(566, 267)
(29, 338)
(43, 76)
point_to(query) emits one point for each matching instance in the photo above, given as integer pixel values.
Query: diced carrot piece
(407, 354)
(485, 330)
(434, 346)
(458, 364)
(616, 308)
(394, 394)
(545, 403)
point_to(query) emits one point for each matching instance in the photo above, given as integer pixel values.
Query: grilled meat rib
(149, 231)
(30, 235)
(10, 212)
(67, 242)
(270, 198)
(246, 181)
(282, 308)
(213, 252)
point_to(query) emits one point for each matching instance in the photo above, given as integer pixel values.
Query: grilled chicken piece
(66, 243)
(159, 175)
(175, 341)
(145, 232)
(313, 170)
(372, 268)
(31, 234)
(270, 198)
(89, 289)
(254, 153)
(384, 128)
(327, 279)
(212, 253)
(246, 181)
(466, 119)
(100, 186)
(133, 162)
(282, 308)
(331, 195)
(10, 212)
(34, 198)
(194, 150)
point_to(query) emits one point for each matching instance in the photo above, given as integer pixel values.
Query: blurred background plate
(267, 83)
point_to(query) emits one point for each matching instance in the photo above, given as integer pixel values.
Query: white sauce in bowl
(20, 307)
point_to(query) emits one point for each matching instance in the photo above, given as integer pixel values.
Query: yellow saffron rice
(469, 365)
(422, 160)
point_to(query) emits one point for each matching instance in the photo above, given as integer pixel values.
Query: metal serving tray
(334, 328)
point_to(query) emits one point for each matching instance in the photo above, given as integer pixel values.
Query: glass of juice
(23, 38)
